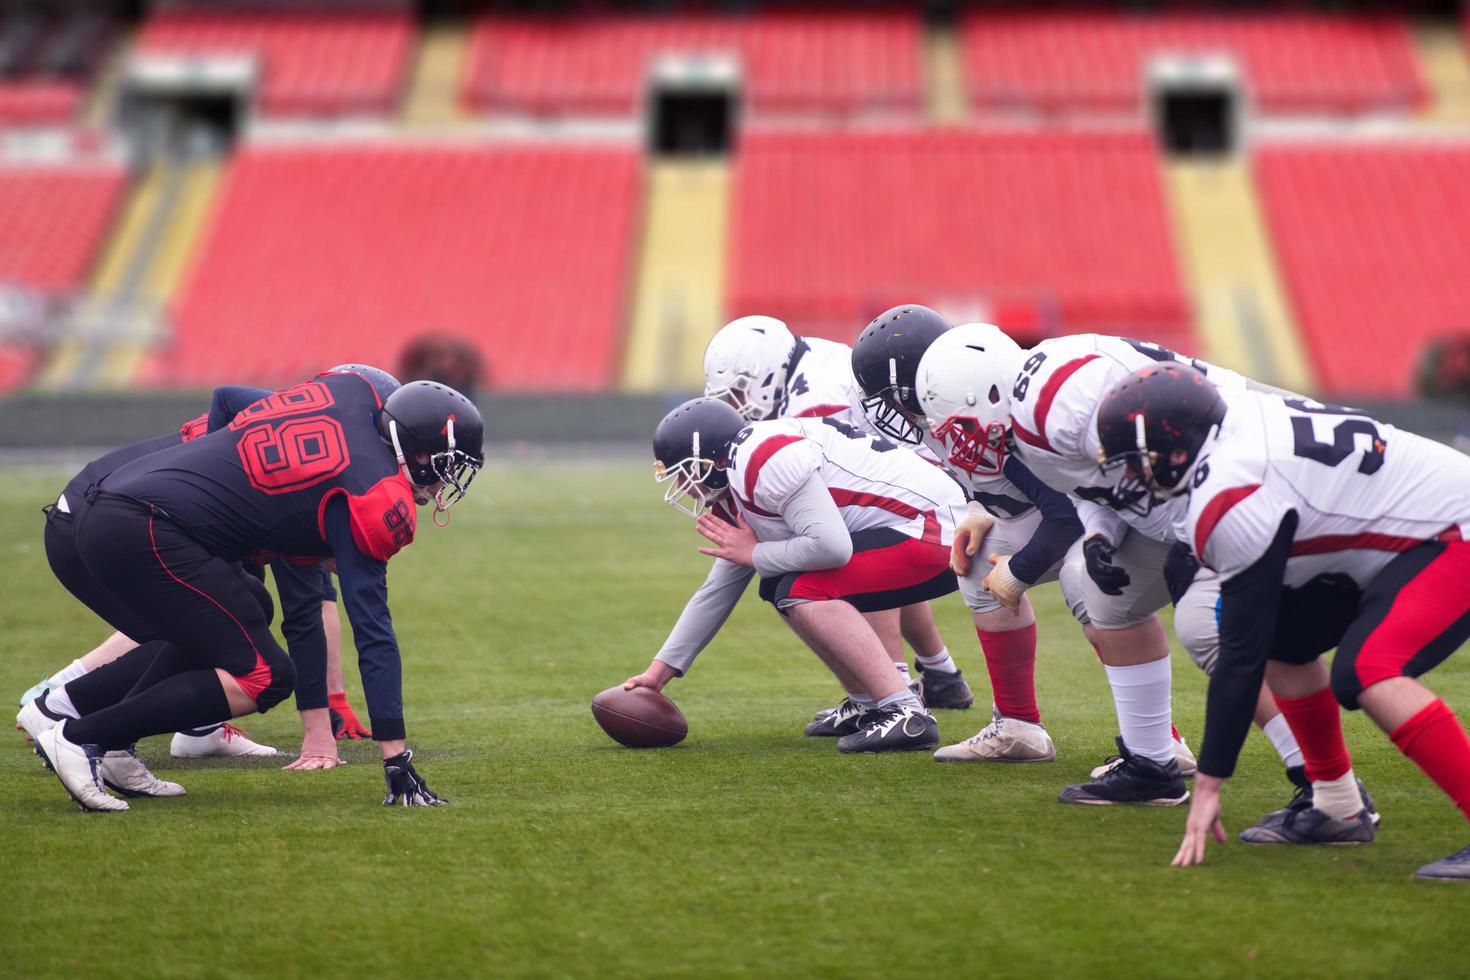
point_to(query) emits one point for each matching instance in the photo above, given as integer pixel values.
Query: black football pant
(191, 613)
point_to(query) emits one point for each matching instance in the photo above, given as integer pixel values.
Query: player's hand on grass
(735, 543)
(318, 748)
(656, 676)
(1099, 553)
(1005, 587)
(344, 720)
(405, 786)
(1203, 822)
(968, 537)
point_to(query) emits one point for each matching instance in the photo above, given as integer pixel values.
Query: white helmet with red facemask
(964, 385)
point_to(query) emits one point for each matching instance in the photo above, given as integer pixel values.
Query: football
(640, 719)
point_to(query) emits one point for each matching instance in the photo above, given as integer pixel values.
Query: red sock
(1316, 721)
(1174, 732)
(1435, 741)
(1010, 657)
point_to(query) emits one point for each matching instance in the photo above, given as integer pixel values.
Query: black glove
(1180, 568)
(405, 786)
(1108, 577)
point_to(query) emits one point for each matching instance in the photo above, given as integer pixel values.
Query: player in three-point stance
(836, 522)
(765, 372)
(320, 471)
(912, 363)
(1286, 497)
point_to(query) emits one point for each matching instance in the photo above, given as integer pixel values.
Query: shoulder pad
(383, 518)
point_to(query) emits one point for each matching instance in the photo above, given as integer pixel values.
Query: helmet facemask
(890, 413)
(978, 449)
(701, 479)
(753, 402)
(452, 470)
(1144, 478)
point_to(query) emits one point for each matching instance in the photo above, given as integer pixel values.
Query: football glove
(405, 786)
(1108, 577)
(344, 720)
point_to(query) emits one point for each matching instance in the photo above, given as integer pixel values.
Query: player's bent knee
(282, 683)
(1346, 686)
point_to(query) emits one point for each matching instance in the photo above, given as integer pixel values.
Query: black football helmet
(438, 436)
(885, 362)
(1153, 424)
(383, 383)
(691, 450)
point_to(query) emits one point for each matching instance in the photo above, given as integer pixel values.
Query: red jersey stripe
(758, 459)
(1214, 511)
(854, 498)
(1044, 399)
(820, 411)
(1329, 543)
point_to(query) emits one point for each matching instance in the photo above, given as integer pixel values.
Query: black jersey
(260, 486)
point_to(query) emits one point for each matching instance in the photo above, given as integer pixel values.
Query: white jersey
(1362, 490)
(820, 384)
(1053, 408)
(873, 482)
(996, 493)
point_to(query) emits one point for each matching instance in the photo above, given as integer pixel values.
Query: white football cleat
(224, 742)
(1003, 740)
(123, 771)
(1188, 766)
(78, 767)
(36, 690)
(32, 720)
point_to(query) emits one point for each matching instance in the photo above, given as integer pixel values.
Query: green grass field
(748, 850)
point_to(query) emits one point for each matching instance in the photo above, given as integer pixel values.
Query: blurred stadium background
(556, 204)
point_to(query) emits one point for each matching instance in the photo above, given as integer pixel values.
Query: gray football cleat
(842, 720)
(946, 691)
(1456, 867)
(898, 728)
(1312, 826)
(78, 767)
(124, 772)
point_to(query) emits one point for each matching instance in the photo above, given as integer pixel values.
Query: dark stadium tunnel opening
(692, 122)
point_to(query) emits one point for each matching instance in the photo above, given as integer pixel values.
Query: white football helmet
(745, 366)
(964, 383)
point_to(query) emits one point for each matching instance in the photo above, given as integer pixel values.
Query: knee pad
(1070, 579)
(1345, 685)
(1198, 634)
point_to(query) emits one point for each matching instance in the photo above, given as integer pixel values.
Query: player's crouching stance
(320, 471)
(837, 523)
(1285, 497)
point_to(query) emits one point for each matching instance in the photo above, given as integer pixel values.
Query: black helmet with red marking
(1153, 423)
(438, 435)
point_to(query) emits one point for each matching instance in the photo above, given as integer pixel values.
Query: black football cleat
(1312, 826)
(1301, 800)
(842, 720)
(1456, 867)
(946, 691)
(899, 728)
(1133, 780)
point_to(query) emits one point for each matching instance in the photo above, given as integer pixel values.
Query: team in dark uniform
(322, 471)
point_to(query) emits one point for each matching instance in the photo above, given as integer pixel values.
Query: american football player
(836, 522)
(764, 371)
(324, 470)
(1314, 511)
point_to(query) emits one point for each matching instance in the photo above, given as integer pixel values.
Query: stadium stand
(1096, 60)
(52, 219)
(317, 255)
(1375, 250)
(793, 61)
(327, 63)
(1021, 226)
(47, 57)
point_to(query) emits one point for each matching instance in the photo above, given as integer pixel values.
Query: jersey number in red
(293, 455)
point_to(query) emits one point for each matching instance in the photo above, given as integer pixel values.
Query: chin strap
(398, 451)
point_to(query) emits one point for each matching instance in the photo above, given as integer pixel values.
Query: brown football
(640, 719)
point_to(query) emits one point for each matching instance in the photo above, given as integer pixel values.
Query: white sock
(941, 662)
(1279, 732)
(68, 673)
(1141, 697)
(1338, 797)
(860, 698)
(902, 666)
(58, 702)
(901, 698)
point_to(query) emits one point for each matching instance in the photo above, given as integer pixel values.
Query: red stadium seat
(52, 220)
(836, 61)
(1069, 228)
(1375, 250)
(327, 63)
(1097, 60)
(317, 255)
(38, 102)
